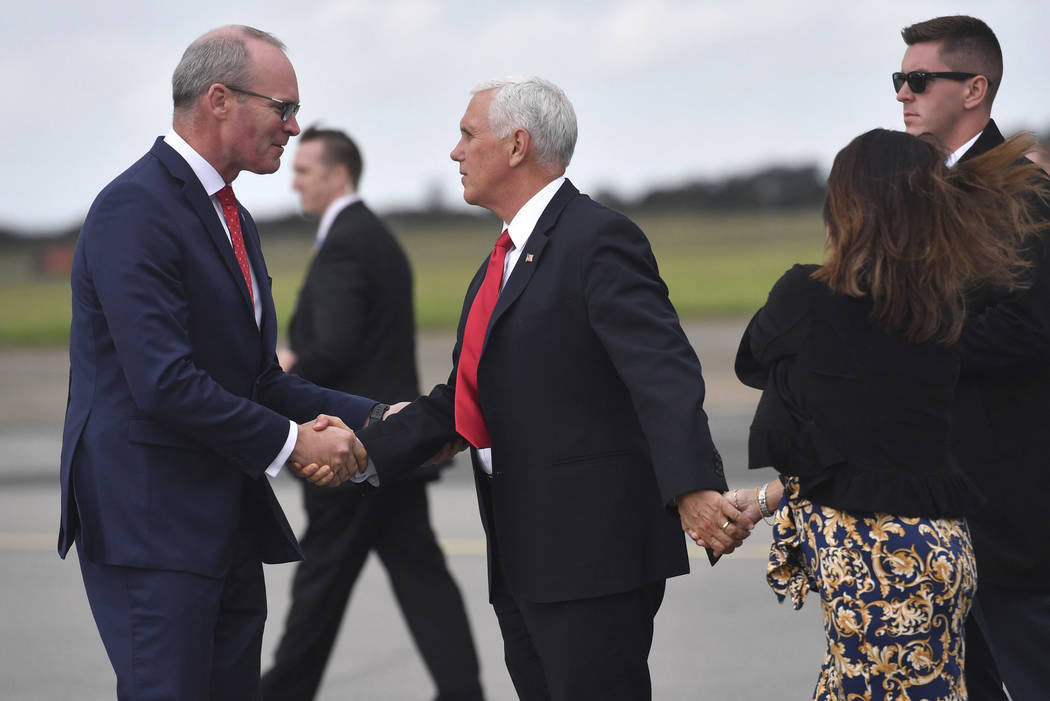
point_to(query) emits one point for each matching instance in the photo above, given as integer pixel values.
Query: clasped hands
(712, 520)
(327, 452)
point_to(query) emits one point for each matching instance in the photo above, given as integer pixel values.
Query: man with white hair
(582, 402)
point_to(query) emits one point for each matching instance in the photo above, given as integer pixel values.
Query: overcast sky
(664, 90)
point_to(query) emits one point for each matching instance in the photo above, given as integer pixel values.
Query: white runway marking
(453, 547)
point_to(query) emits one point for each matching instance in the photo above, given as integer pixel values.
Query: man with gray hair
(582, 402)
(178, 411)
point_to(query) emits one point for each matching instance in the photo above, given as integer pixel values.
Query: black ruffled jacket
(860, 416)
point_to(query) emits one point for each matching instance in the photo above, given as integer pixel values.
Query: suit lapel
(989, 139)
(202, 205)
(253, 245)
(531, 257)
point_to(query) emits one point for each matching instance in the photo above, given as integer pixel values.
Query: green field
(714, 265)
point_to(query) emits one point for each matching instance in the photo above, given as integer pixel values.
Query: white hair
(539, 107)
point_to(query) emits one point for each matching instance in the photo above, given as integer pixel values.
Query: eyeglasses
(287, 108)
(917, 80)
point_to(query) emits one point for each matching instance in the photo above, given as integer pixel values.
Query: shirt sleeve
(282, 457)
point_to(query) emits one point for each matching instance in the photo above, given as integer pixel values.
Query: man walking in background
(354, 330)
(949, 77)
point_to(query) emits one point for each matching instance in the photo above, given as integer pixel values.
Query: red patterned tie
(233, 221)
(469, 422)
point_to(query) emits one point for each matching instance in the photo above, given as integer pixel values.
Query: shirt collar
(961, 151)
(521, 226)
(205, 172)
(330, 213)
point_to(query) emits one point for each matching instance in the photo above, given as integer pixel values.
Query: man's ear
(520, 140)
(976, 92)
(340, 174)
(218, 99)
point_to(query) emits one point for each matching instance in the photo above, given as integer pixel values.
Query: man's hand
(332, 446)
(360, 458)
(711, 520)
(313, 473)
(286, 358)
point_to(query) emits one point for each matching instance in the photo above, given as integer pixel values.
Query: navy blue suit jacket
(176, 402)
(593, 398)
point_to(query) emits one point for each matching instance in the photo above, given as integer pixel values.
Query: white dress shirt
(212, 182)
(961, 151)
(519, 229)
(330, 213)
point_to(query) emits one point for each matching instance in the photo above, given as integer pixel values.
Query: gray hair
(539, 107)
(219, 56)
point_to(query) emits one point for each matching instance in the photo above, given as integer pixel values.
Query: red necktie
(469, 422)
(233, 221)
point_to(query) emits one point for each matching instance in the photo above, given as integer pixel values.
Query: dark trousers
(179, 636)
(344, 525)
(584, 649)
(1008, 641)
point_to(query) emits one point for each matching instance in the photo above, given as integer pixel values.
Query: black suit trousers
(596, 648)
(345, 524)
(1007, 639)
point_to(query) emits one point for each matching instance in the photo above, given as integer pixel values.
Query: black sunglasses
(916, 80)
(287, 108)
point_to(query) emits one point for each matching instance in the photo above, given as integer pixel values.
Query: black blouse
(861, 416)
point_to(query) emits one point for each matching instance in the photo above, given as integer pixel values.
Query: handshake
(327, 452)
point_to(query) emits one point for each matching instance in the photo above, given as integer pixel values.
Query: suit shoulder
(141, 188)
(583, 205)
(142, 176)
(359, 223)
(585, 220)
(359, 233)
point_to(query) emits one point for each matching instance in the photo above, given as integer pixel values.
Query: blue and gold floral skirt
(895, 591)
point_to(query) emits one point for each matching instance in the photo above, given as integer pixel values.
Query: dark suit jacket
(1002, 434)
(176, 402)
(594, 402)
(353, 328)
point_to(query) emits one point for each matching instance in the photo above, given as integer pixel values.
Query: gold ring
(725, 525)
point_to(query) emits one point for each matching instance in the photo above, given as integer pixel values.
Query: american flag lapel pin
(528, 258)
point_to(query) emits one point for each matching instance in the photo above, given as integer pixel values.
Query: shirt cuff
(370, 474)
(282, 457)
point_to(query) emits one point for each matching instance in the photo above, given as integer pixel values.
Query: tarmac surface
(719, 634)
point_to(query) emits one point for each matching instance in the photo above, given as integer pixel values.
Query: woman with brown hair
(858, 365)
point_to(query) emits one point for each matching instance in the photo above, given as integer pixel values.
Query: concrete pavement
(719, 633)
